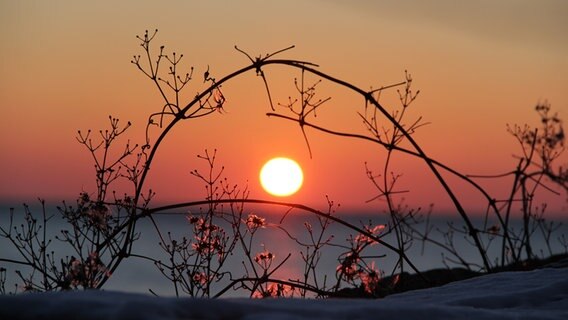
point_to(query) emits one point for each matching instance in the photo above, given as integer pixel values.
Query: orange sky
(65, 65)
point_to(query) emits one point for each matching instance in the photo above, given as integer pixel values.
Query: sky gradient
(479, 65)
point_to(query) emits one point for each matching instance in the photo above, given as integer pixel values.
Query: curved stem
(473, 232)
(304, 66)
(391, 146)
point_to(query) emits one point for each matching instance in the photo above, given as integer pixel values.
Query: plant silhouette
(101, 229)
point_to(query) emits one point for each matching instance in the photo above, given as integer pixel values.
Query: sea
(280, 235)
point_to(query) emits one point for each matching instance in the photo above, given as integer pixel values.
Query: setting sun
(281, 177)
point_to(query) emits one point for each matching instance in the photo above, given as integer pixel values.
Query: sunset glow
(479, 66)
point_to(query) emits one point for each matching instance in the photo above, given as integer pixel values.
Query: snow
(538, 294)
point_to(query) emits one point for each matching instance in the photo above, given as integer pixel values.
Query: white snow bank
(539, 294)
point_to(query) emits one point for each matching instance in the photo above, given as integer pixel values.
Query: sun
(281, 177)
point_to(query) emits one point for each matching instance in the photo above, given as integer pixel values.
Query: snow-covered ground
(539, 294)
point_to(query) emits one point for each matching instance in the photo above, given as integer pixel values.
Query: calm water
(139, 275)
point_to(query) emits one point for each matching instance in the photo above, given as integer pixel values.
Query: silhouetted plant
(102, 228)
(535, 171)
(549, 144)
(92, 231)
(386, 181)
